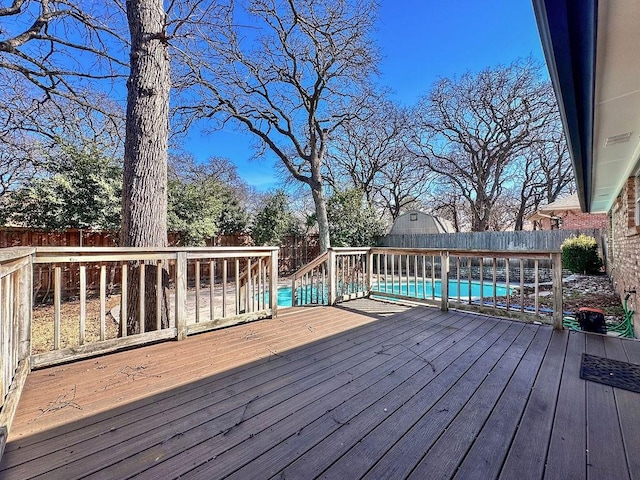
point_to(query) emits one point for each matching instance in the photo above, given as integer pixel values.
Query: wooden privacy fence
(295, 252)
(538, 240)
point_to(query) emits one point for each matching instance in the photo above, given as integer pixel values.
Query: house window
(413, 217)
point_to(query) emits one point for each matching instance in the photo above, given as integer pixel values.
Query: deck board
(603, 461)
(486, 457)
(430, 418)
(442, 460)
(357, 391)
(528, 451)
(567, 448)
(628, 411)
(323, 454)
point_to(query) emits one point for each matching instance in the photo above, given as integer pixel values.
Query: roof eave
(568, 33)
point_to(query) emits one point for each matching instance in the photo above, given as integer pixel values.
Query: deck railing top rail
(311, 265)
(14, 253)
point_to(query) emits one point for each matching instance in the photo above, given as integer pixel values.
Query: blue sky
(420, 41)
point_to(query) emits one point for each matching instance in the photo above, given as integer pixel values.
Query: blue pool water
(308, 295)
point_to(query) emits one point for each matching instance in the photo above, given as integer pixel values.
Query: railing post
(556, 267)
(273, 284)
(294, 290)
(444, 281)
(369, 271)
(332, 272)
(181, 295)
(25, 308)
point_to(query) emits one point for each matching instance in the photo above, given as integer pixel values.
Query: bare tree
(365, 146)
(291, 79)
(471, 130)
(544, 173)
(62, 46)
(443, 200)
(369, 153)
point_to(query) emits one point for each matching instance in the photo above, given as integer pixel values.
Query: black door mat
(610, 372)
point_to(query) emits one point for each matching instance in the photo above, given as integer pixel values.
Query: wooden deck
(359, 391)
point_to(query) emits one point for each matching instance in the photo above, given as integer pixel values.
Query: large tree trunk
(144, 207)
(321, 216)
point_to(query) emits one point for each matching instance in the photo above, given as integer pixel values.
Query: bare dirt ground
(42, 324)
(594, 291)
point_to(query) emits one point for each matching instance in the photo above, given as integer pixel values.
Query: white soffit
(616, 141)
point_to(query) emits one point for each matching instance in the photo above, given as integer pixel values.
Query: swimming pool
(308, 295)
(429, 290)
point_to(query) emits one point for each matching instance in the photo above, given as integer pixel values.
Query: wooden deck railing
(310, 284)
(337, 275)
(499, 283)
(198, 289)
(503, 283)
(193, 290)
(15, 331)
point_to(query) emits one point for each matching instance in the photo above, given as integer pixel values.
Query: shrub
(580, 254)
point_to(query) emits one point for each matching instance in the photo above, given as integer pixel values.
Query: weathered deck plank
(602, 460)
(567, 457)
(192, 400)
(353, 392)
(528, 452)
(421, 419)
(486, 456)
(627, 407)
(359, 417)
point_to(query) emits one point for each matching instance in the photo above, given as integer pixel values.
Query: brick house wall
(576, 220)
(624, 247)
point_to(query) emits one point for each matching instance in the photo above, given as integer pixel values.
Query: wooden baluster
(83, 304)
(378, 255)
(458, 277)
(250, 283)
(433, 278)
(495, 299)
(197, 286)
(536, 284)
(470, 264)
(238, 288)
(482, 281)
(159, 294)
(124, 287)
(424, 277)
(181, 295)
(141, 299)
(508, 293)
(103, 300)
(224, 288)
(57, 298)
(521, 285)
(212, 282)
(444, 282)
(556, 269)
(393, 274)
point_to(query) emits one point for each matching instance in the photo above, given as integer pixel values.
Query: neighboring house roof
(566, 204)
(593, 57)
